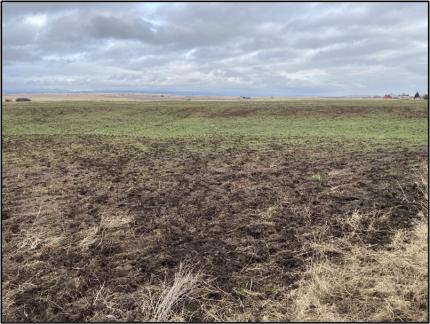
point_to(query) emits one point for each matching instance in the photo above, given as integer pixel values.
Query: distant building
(404, 96)
(243, 97)
(388, 96)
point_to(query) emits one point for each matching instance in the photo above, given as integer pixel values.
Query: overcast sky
(217, 48)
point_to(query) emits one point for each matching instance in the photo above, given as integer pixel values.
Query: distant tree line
(417, 96)
(17, 99)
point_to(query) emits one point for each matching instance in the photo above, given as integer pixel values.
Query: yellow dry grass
(365, 284)
(158, 303)
(368, 285)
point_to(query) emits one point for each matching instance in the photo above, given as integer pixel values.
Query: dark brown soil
(238, 214)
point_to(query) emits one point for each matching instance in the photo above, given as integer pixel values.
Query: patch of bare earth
(97, 230)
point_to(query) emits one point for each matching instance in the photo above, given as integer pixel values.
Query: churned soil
(81, 215)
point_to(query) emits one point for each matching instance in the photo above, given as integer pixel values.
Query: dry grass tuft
(40, 235)
(184, 283)
(153, 302)
(423, 188)
(90, 237)
(110, 221)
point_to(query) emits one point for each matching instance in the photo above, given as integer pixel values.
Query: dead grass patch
(159, 302)
(368, 285)
(364, 284)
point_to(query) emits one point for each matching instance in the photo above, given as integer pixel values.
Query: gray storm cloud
(219, 48)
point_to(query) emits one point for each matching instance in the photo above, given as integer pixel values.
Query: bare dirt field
(122, 218)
